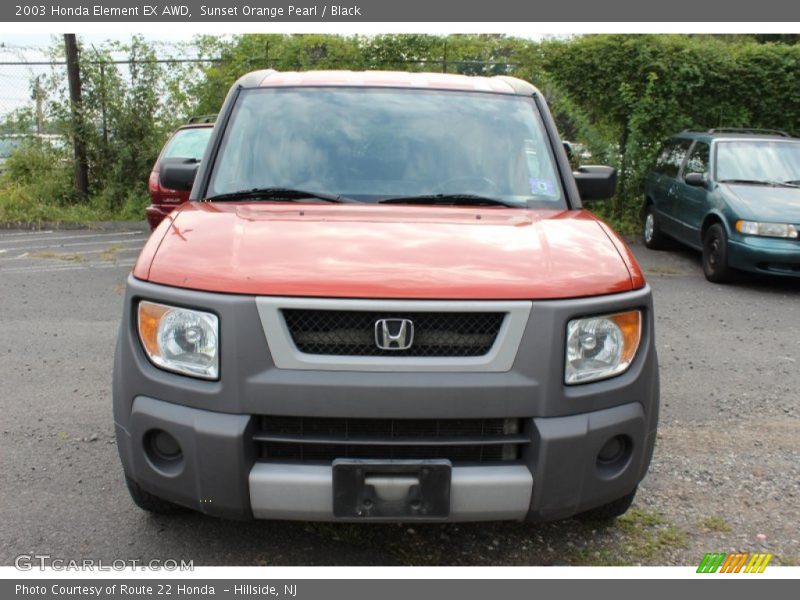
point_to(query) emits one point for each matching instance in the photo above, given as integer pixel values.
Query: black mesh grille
(313, 439)
(352, 333)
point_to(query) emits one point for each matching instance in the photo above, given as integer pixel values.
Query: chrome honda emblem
(394, 334)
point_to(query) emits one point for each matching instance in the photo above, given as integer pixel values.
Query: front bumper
(218, 474)
(556, 475)
(765, 255)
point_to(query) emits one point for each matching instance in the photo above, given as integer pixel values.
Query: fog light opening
(163, 451)
(614, 456)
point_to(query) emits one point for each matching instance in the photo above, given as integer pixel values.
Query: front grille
(315, 439)
(352, 333)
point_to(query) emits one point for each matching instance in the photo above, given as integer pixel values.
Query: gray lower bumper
(305, 492)
(219, 474)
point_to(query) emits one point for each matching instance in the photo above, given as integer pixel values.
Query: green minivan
(733, 194)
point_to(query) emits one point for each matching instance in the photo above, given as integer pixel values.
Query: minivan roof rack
(755, 130)
(203, 119)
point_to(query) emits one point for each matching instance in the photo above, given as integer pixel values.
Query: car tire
(609, 511)
(151, 503)
(715, 255)
(652, 236)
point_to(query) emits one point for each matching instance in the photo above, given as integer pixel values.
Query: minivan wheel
(715, 255)
(147, 501)
(651, 232)
(609, 511)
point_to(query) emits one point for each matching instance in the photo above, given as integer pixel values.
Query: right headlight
(779, 230)
(602, 346)
(180, 339)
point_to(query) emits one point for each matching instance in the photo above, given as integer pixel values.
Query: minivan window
(374, 143)
(758, 160)
(671, 157)
(698, 159)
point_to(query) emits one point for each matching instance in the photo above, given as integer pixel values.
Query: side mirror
(178, 173)
(696, 179)
(596, 182)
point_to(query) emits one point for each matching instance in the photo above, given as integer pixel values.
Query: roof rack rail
(203, 119)
(749, 130)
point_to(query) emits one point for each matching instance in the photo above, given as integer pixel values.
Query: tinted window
(698, 159)
(671, 156)
(188, 143)
(372, 143)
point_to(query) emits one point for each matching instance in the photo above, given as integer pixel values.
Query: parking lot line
(22, 233)
(58, 237)
(55, 256)
(72, 245)
(53, 268)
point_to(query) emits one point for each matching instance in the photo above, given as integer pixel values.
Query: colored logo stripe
(711, 562)
(758, 563)
(734, 563)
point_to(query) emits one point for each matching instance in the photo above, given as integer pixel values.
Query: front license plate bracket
(379, 489)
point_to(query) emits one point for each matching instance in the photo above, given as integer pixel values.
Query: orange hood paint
(373, 251)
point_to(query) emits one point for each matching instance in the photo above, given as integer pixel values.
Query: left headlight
(179, 339)
(602, 346)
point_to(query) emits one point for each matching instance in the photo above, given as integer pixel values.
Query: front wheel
(715, 255)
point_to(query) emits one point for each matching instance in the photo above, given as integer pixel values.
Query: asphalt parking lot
(725, 476)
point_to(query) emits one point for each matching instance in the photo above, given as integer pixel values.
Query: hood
(369, 251)
(764, 203)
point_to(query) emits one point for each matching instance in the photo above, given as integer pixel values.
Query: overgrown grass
(30, 204)
(714, 523)
(37, 186)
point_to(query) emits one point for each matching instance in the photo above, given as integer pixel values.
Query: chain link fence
(22, 87)
(31, 84)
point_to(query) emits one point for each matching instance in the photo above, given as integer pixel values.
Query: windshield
(370, 144)
(188, 143)
(774, 161)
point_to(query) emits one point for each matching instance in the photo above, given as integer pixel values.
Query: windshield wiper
(449, 199)
(277, 193)
(792, 184)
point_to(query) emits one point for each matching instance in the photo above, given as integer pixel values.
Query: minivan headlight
(180, 339)
(602, 346)
(780, 230)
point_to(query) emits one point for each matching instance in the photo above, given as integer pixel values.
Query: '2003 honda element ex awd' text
(384, 301)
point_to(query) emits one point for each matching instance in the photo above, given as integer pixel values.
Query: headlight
(179, 339)
(601, 347)
(780, 230)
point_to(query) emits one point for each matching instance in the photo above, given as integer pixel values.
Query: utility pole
(78, 129)
(103, 103)
(39, 97)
